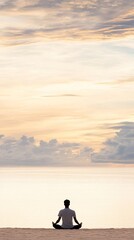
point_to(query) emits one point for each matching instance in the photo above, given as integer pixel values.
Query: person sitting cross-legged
(67, 215)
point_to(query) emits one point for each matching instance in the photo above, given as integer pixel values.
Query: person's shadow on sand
(67, 215)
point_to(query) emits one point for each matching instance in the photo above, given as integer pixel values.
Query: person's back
(67, 217)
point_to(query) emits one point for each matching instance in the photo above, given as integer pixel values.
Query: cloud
(39, 20)
(119, 149)
(62, 95)
(129, 80)
(125, 81)
(26, 152)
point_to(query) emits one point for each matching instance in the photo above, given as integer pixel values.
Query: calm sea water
(101, 197)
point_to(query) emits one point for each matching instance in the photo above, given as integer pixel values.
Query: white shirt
(67, 216)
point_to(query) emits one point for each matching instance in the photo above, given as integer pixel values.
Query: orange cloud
(38, 20)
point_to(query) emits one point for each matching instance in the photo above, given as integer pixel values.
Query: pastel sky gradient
(66, 82)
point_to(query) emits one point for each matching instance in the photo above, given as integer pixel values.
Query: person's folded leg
(77, 226)
(57, 226)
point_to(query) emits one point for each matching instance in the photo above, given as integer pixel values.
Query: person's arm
(75, 219)
(58, 220)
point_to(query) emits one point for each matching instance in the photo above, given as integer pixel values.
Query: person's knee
(56, 226)
(77, 226)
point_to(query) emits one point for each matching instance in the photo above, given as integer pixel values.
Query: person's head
(66, 203)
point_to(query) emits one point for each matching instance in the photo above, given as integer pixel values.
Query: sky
(66, 82)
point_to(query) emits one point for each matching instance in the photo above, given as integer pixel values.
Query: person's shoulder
(72, 210)
(61, 210)
(61, 213)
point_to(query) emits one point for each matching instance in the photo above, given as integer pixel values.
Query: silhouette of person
(67, 215)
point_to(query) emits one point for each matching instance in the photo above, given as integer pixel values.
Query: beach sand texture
(52, 234)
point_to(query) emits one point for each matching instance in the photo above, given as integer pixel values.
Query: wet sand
(52, 234)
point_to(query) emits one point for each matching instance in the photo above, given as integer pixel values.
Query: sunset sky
(66, 82)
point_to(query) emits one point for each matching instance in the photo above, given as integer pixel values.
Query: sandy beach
(52, 234)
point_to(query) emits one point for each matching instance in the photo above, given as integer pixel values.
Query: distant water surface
(32, 197)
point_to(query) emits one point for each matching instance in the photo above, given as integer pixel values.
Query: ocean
(32, 197)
